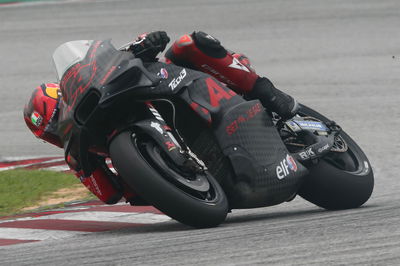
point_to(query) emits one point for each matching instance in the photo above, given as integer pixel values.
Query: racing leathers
(205, 53)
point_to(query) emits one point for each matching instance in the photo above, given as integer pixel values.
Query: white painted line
(36, 234)
(100, 216)
(30, 164)
(70, 208)
(60, 168)
(84, 207)
(21, 158)
(16, 219)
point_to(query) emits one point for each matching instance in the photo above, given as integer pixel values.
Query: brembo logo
(175, 82)
(323, 148)
(282, 170)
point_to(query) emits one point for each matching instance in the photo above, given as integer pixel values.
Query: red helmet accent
(41, 112)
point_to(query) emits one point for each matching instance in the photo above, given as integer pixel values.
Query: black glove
(149, 45)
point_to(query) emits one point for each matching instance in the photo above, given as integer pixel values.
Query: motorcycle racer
(203, 52)
(199, 51)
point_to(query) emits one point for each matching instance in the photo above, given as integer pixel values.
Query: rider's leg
(273, 99)
(103, 184)
(203, 52)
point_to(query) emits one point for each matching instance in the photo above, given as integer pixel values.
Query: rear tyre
(341, 180)
(142, 166)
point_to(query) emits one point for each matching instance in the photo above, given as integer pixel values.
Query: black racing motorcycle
(193, 148)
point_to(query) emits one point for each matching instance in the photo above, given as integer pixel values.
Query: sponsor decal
(250, 114)
(175, 82)
(95, 186)
(36, 119)
(208, 36)
(155, 113)
(216, 74)
(307, 154)
(236, 64)
(157, 127)
(311, 125)
(292, 163)
(163, 73)
(285, 166)
(170, 145)
(53, 114)
(184, 40)
(293, 126)
(323, 148)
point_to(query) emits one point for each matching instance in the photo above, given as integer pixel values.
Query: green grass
(24, 188)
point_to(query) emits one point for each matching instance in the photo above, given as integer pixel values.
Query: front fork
(177, 151)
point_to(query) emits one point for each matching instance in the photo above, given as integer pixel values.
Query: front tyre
(143, 167)
(340, 180)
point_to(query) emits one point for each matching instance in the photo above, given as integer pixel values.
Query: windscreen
(68, 54)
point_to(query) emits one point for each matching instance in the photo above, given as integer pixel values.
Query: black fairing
(247, 137)
(105, 91)
(99, 93)
(93, 90)
(256, 151)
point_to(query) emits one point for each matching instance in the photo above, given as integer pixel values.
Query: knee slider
(209, 45)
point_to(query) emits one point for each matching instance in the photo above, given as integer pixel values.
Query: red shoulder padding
(184, 41)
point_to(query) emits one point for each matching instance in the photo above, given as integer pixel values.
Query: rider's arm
(204, 52)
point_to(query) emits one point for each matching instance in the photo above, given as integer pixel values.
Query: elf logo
(286, 165)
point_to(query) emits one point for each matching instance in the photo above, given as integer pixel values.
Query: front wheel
(196, 200)
(341, 180)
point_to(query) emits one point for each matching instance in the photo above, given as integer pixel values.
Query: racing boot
(273, 99)
(270, 97)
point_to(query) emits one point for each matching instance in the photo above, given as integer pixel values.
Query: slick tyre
(138, 168)
(340, 180)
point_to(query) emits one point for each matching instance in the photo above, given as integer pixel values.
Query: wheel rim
(198, 187)
(344, 154)
(351, 160)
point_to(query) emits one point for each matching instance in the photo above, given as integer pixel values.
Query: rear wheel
(342, 179)
(194, 199)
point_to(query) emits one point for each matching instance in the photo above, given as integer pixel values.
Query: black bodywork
(106, 93)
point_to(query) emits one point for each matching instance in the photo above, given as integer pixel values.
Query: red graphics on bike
(41, 113)
(78, 79)
(203, 52)
(217, 93)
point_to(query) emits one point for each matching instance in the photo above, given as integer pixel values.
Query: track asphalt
(339, 57)
(74, 220)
